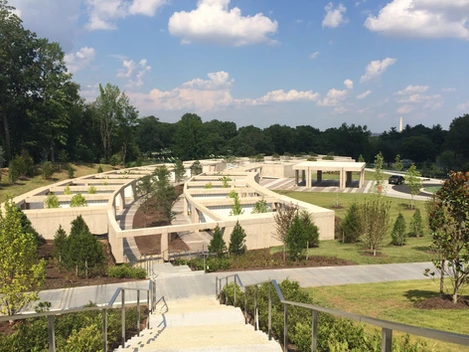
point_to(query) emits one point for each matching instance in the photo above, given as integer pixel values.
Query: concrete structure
(344, 168)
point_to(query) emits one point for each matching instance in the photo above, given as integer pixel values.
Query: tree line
(43, 116)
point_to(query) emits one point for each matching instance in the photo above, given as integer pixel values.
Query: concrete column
(319, 175)
(195, 216)
(349, 179)
(184, 202)
(134, 190)
(303, 176)
(122, 194)
(362, 178)
(308, 178)
(342, 179)
(297, 176)
(165, 244)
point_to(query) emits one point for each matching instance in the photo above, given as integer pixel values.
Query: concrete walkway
(184, 284)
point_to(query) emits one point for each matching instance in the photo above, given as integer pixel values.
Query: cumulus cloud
(280, 96)
(216, 80)
(412, 90)
(213, 22)
(422, 18)
(334, 16)
(449, 90)
(334, 97)
(405, 109)
(364, 94)
(133, 72)
(103, 14)
(314, 55)
(464, 106)
(53, 19)
(79, 60)
(376, 68)
(348, 84)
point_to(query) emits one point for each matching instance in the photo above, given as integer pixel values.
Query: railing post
(104, 330)
(314, 331)
(138, 313)
(285, 328)
(269, 329)
(123, 318)
(386, 340)
(226, 285)
(256, 311)
(245, 305)
(51, 333)
(234, 289)
(150, 308)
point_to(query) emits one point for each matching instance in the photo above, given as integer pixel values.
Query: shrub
(47, 170)
(416, 224)
(399, 235)
(217, 244)
(328, 157)
(78, 201)
(114, 160)
(126, 271)
(70, 171)
(87, 339)
(275, 157)
(351, 226)
(60, 244)
(260, 207)
(27, 227)
(311, 158)
(67, 190)
(100, 169)
(92, 190)
(296, 239)
(52, 201)
(16, 168)
(209, 185)
(236, 208)
(237, 240)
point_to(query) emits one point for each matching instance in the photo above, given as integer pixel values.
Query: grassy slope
(414, 251)
(29, 184)
(395, 301)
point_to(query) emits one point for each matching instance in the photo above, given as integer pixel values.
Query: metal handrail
(387, 327)
(151, 304)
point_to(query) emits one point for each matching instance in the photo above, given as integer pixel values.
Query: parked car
(396, 180)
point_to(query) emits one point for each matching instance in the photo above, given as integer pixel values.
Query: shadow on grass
(423, 248)
(417, 296)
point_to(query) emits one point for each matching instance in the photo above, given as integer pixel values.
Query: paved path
(176, 284)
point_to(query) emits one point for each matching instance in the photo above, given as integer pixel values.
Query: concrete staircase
(196, 325)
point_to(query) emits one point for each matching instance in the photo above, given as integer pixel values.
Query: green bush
(416, 224)
(92, 190)
(52, 201)
(311, 158)
(114, 160)
(87, 339)
(351, 228)
(328, 157)
(126, 271)
(100, 169)
(399, 234)
(78, 201)
(47, 170)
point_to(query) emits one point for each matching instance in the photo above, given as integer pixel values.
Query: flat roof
(328, 165)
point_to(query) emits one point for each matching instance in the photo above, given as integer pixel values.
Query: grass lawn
(395, 301)
(28, 184)
(416, 249)
(433, 189)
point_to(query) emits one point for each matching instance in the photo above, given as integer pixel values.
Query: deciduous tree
(378, 174)
(283, 219)
(414, 181)
(374, 216)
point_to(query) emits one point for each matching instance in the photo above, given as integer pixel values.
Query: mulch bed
(56, 278)
(445, 302)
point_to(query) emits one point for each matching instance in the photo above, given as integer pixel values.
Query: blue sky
(261, 62)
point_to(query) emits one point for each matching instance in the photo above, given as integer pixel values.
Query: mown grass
(25, 185)
(395, 301)
(416, 249)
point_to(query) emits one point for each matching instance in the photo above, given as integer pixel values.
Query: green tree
(399, 234)
(361, 159)
(413, 180)
(261, 206)
(100, 169)
(196, 168)
(378, 174)
(236, 208)
(416, 224)
(350, 227)
(237, 240)
(60, 243)
(47, 170)
(208, 185)
(397, 165)
(374, 218)
(21, 274)
(70, 171)
(78, 201)
(297, 239)
(52, 201)
(92, 190)
(190, 138)
(164, 192)
(217, 243)
(283, 219)
(311, 229)
(179, 170)
(225, 181)
(67, 190)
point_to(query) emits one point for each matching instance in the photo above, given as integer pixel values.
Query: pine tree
(60, 243)
(217, 244)
(310, 228)
(416, 224)
(399, 234)
(237, 240)
(351, 228)
(297, 239)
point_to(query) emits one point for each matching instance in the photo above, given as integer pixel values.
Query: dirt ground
(56, 278)
(444, 302)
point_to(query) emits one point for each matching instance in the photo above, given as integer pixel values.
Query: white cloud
(364, 94)
(334, 16)
(212, 94)
(405, 109)
(103, 14)
(422, 18)
(79, 60)
(299, 21)
(133, 72)
(334, 97)
(340, 110)
(213, 22)
(449, 90)
(376, 68)
(348, 83)
(314, 55)
(464, 106)
(412, 90)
